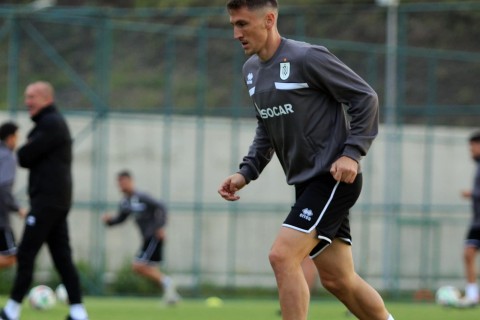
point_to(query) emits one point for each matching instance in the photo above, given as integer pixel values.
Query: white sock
(390, 317)
(12, 309)
(471, 291)
(77, 311)
(166, 281)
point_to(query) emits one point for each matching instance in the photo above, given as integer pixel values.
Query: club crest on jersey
(250, 78)
(284, 70)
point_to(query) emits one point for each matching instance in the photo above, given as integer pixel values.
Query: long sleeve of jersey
(8, 200)
(330, 75)
(7, 177)
(159, 210)
(161, 216)
(123, 213)
(259, 154)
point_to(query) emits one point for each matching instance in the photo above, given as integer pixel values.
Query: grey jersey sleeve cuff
(352, 152)
(247, 173)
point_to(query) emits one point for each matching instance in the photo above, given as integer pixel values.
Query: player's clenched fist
(344, 169)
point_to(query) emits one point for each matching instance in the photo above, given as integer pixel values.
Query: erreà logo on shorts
(306, 214)
(276, 111)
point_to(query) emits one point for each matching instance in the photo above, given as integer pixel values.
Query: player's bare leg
(310, 272)
(286, 256)
(148, 271)
(471, 289)
(469, 259)
(7, 261)
(337, 274)
(171, 295)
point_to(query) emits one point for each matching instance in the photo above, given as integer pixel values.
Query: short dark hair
(250, 4)
(7, 129)
(124, 174)
(475, 137)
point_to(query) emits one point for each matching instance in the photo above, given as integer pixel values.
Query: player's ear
(270, 20)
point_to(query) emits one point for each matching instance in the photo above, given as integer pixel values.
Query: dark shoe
(70, 318)
(3, 316)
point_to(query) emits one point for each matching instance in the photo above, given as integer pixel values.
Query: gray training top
(476, 197)
(8, 166)
(299, 95)
(149, 213)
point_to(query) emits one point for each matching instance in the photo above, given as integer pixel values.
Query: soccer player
(151, 217)
(302, 93)
(472, 242)
(8, 203)
(48, 156)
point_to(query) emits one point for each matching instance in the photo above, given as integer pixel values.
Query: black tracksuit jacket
(48, 156)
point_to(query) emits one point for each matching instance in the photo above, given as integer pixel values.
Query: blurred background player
(8, 203)
(472, 242)
(48, 156)
(151, 217)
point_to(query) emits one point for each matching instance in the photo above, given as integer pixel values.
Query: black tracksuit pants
(46, 225)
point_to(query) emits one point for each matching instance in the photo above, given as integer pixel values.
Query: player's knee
(12, 261)
(469, 254)
(338, 286)
(8, 261)
(277, 258)
(137, 268)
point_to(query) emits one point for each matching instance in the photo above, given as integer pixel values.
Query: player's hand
(467, 194)
(160, 234)
(106, 218)
(230, 186)
(22, 212)
(345, 169)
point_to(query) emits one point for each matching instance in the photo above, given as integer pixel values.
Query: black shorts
(322, 205)
(473, 237)
(151, 252)
(7, 242)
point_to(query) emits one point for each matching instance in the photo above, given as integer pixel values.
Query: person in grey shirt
(8, 203)
(319, 118)
(151, 217)
(472, 241)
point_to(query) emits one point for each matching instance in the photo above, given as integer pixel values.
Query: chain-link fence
(160, 92)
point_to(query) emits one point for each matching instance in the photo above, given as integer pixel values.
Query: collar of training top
(48, 109)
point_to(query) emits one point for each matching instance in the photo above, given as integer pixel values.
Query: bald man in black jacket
(47, 154)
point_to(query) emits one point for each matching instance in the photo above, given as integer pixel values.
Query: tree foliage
(201, 3)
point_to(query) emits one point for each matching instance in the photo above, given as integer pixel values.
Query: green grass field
(150, 309)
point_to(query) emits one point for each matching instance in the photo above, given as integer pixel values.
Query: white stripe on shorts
(319, 217)
(349, 241)
(11, 247)
(321, 250)
(325, 208)
(147, 254)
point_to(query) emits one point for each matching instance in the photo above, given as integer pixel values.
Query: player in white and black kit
(151, 217)
(301, 93)
(472, 241)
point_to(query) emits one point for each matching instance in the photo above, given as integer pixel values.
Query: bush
(127, 282)
(91, 282)
(6, 280)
